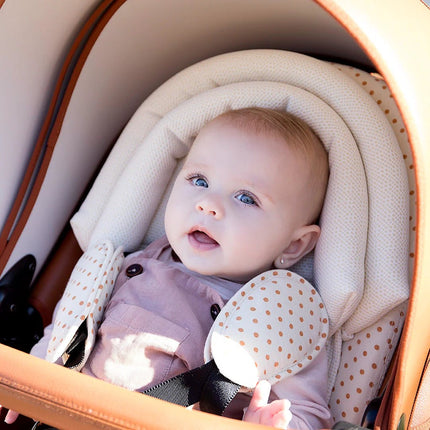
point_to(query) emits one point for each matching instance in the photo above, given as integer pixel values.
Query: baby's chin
(229, 275)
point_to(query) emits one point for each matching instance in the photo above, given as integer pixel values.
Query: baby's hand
(276, 414)
(11, 416)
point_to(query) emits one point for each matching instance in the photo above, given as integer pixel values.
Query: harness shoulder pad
(273, 327)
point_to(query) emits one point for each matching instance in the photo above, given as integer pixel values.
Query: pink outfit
(155, 327)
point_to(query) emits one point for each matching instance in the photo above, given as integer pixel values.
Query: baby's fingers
(260, 397)
(281, 415)
(11, 417)
(276, 414)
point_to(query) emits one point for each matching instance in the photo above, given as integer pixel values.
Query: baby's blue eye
(200, 182)
(246, 199)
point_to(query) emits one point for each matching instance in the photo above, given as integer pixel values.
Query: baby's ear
(304, 241)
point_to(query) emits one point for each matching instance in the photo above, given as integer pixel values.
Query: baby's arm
(306, 407)
(307, 393)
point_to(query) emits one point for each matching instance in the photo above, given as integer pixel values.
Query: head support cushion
(365, 212)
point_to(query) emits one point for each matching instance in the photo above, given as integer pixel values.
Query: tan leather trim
(17, 219)
(397, 55)
(70, 400)
(419, 421)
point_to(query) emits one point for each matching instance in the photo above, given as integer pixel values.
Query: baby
(246, 200)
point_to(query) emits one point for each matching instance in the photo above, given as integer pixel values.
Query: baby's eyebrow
(194, 166)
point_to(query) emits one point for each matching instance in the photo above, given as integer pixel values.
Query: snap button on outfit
(134, 270)
(215, 309)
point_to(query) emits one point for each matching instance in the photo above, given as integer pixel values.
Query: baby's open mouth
(202, 239)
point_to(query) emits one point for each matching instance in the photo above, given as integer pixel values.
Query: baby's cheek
(252, 255)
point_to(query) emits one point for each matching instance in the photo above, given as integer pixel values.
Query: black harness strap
(217, 393)
(205, 384)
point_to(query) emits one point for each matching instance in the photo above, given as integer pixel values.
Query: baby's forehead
(247, 148)
(208, 134)
(244, 124)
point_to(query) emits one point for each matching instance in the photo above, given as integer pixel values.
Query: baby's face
(237, 202)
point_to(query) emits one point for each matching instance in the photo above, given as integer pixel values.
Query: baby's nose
(210, 207)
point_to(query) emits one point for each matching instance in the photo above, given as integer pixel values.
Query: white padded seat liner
(336, 266)
(142, 184)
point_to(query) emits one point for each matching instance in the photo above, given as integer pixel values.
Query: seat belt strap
(204, 384)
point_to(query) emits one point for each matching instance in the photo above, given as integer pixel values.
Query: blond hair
(298, 135)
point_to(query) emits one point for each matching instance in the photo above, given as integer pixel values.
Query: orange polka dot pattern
(279, 319)
(363, 362)
(84, 299)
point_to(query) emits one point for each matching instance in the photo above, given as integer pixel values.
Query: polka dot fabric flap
(272, 328)
(84, 299)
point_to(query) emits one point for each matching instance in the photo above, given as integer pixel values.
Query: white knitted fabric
(362, 252)
(344, 217)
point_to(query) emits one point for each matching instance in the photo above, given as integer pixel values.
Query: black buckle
(76, 350)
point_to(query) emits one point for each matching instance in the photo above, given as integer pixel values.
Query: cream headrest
(363, 245)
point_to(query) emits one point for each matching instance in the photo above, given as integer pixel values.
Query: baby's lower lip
(201, 241)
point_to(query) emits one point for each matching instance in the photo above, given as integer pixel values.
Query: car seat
(407, 158)
(363, 279)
